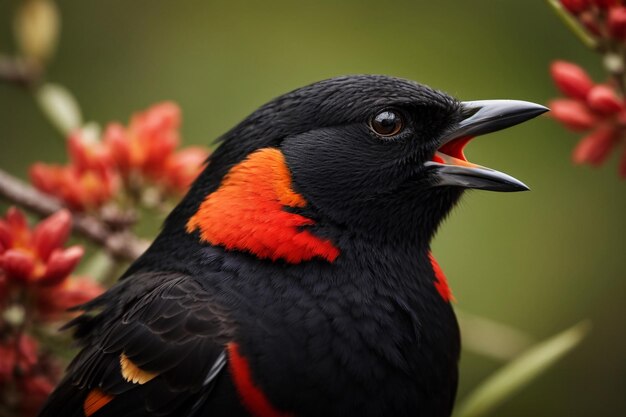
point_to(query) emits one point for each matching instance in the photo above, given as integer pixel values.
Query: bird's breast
(321, 339)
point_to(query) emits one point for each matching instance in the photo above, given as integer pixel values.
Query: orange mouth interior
(451, 153)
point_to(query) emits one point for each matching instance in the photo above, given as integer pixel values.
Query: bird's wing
(152, 345)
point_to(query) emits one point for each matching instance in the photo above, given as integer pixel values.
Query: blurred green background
(538, 261)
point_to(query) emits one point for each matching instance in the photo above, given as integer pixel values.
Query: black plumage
(367, 334)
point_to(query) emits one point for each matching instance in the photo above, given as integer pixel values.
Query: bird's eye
(387, 123)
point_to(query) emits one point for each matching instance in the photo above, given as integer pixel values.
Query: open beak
(485, 116)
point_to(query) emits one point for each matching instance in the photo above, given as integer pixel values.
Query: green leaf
(60, 106)
(490, 338)
(520, 372)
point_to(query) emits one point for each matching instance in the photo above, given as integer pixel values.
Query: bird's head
(375, 156)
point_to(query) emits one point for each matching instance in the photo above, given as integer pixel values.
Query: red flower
(17, 357)
(7, 362)
(576, 6)
(604, 19)
(124, 156)
(32, 373)
(603, 99)
(182, 168)
(595, 108)
(148, 142)
(88, 153)
(575, 115)
(79, 189)
(571, 79)
(54, 301)
(616, 22)
(34, 390)
(4, 286)
(87, 182)
(143, 152)
(604, 4)
(595, 147)
(37, 256)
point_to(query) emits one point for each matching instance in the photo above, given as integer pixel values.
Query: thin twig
(573, 25)
(19, 71)
(122, 245)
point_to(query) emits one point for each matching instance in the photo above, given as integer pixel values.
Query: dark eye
(387, 123)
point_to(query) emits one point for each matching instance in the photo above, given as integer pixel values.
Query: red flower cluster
(36, 256)
(26, 375)
(34, 260)
(87, 182)
(34, 281)
(596, 108)
(142, 153)
(602, 18)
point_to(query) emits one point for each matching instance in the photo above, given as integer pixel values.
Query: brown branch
(19, 71)
(122, 245)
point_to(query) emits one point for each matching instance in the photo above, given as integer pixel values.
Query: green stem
(573, 25)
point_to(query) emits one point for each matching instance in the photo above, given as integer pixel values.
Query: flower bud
(87, 151)
(35, 388)
(28, 352)
(604, 4)
(17, 222)
(60, 107)
(574, 114)
(595, 147)
(182, 168)
(590, 21)
(118, 143)
(162, 116)
(5, 236)
(157, 136)
(603, 99)
(571, 79)
(37, 29)
(616, 22)
(51, 233)
(576, 6)
(7, 361)
(56, 300)
(44, 177)
(17, 265)
(61, 264)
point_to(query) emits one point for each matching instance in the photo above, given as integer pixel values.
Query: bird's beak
(485, 116)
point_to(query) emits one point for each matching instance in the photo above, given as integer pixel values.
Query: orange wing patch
(247, 213)
(96, 399)
(132, 373)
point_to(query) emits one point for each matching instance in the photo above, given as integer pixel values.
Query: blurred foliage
(537, 261)
(520, 372)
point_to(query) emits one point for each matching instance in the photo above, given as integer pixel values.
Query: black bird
(295, 278)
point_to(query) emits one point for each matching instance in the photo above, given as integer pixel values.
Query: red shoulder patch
(247, 212)
(251, 395)
(441, 282)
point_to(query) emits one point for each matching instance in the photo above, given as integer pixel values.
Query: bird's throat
(247, 213)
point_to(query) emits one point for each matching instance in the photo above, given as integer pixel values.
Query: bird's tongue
(451, 153)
